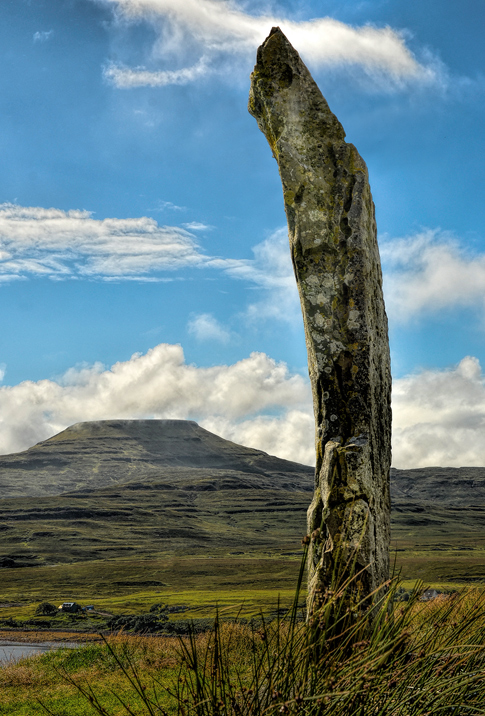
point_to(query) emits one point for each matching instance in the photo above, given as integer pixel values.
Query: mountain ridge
(96, 454)
(135, 490)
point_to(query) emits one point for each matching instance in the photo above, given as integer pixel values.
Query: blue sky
(142, 215)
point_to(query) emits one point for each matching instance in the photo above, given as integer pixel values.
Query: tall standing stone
(333, 243)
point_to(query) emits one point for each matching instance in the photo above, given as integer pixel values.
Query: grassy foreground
(405, 659)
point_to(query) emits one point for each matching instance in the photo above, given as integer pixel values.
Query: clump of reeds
(378, 657)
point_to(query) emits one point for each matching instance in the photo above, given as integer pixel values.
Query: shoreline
(45, 636)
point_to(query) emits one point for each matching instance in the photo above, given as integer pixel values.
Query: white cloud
(196, 226)
(219, 30)
(3, 370)
(169, 206)
(439, 417)
(205, 327)
(289, 436)
(43, 36)
(129, 77)
(429, 272)
(423, 273)
(7, 277)
(159, 385)
(57, 244)
(271, 271)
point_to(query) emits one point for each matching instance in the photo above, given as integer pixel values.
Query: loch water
(13, 651)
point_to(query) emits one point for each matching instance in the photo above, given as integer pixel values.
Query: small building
(70, 607)
(429, 595)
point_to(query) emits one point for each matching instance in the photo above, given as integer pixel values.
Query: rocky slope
(100, 454)
(94, 455)
(144, 490)
(447, 486)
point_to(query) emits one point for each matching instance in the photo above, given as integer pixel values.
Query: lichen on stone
(334, 250)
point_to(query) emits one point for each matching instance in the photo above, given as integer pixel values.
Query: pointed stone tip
(277, 35)
(275, 49)
(279, 67)
(274, 30)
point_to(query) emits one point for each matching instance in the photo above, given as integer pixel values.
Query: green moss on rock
(332, 234)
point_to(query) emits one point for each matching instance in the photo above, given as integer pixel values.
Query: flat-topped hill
(93, 455)
(168, 489)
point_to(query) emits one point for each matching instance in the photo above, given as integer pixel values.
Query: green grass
(46, 677)
(202, 584)
(411, 659)
(200, 548)
(231, 584)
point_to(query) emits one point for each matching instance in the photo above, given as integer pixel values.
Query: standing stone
(333, 243)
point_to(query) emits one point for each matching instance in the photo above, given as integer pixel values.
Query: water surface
(13, 651)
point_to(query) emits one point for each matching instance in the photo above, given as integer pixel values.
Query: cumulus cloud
(158, 384)
(429, 272)
(439, 417)
(290, 435)
(59, 244)
(205, 327)
(219, 30)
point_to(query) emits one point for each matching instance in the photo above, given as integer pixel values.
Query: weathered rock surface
(335, 255)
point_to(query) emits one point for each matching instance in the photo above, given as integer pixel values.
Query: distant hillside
(450, 486)
(94, 455)
(146, 488)
(100, 454)
(168, 489)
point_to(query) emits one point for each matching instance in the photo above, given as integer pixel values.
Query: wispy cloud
(218, 30)
(129, 77)
(43, 36)
(169, 206)
(60, 244)
(270, 271)
(428, 272)
(197, 226)
(205, 327)
(423, 273)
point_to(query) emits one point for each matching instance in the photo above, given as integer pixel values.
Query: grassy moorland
(197, 586)
(126, 514)
(409, 659)
(237, 566)
(251, 556)
(225, 536)
(146, 521)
